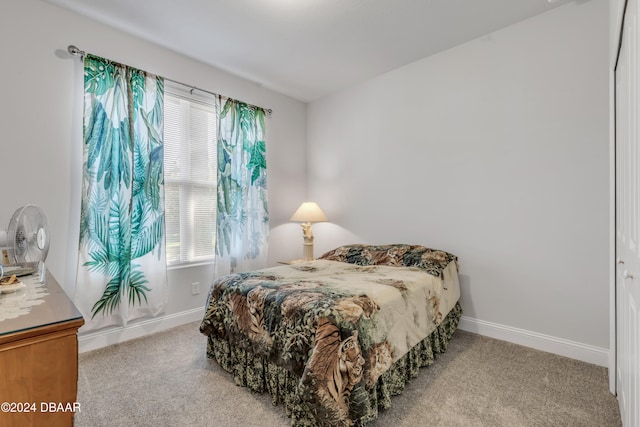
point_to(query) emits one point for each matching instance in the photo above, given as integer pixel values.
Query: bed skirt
(260, 375)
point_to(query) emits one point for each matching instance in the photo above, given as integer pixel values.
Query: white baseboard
(572, 349)
(99, 339)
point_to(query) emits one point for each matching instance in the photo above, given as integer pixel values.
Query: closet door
(628, 221)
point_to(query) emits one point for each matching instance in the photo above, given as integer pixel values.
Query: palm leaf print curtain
(243, 217)
(121, 265)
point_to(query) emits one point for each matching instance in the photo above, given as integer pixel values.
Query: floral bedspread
(338, 326)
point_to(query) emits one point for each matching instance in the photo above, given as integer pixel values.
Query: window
(190, 164)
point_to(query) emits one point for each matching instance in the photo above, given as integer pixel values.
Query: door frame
(617, 10)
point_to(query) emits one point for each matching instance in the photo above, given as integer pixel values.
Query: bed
(334, 338)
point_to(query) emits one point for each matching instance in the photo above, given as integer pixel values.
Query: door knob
(627, 275)
(619, 260)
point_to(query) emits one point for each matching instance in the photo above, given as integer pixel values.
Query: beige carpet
(166, 380)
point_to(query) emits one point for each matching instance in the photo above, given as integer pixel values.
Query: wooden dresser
(39, 357)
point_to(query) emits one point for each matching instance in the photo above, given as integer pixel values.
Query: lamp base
(307, 251)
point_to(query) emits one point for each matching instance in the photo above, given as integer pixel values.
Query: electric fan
(26, 240)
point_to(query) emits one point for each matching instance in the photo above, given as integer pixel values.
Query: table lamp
(307, 213)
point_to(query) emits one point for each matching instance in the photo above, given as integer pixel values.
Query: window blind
(190, 171)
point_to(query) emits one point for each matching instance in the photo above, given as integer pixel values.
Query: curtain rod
(73, 50)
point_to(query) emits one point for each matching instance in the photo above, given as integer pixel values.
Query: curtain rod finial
(73, 50)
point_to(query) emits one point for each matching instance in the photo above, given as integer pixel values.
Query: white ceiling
(308, 48)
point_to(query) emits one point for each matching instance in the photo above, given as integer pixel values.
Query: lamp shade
(309, 212)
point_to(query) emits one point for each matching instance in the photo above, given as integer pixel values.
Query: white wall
(41, 130)
(497, 151)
